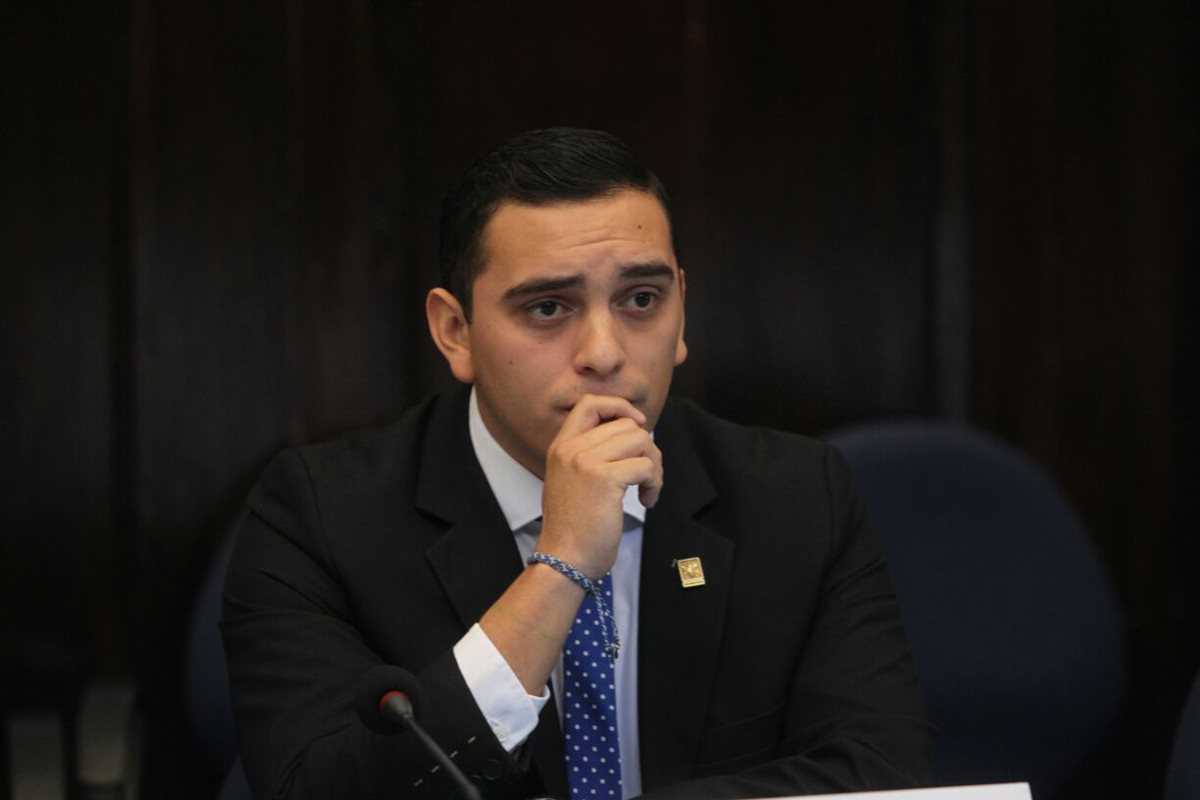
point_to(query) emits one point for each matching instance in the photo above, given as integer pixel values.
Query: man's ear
(451, 332)
(681, 345)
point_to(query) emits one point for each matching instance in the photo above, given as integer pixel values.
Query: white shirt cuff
(511, 712)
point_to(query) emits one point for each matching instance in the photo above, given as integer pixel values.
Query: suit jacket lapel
(679, 629)
(476, 558)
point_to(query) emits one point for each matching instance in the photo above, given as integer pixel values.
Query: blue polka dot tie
(590, 706)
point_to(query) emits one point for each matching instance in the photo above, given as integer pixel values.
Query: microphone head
(377, 683)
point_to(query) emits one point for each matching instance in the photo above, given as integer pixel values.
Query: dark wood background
(218, 228)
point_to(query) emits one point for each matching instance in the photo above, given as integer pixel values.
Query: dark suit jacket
(786, 673)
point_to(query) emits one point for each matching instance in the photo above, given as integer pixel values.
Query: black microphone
(387, 701)
(378, 683)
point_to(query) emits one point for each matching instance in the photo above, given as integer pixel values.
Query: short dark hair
(537, 168)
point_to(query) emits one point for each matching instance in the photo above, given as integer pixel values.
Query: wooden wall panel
(1179, 60)
(814, 261)
(255, 284)
(60, 222)
(1077, 258)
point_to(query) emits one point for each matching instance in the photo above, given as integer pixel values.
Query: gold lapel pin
(691, 572)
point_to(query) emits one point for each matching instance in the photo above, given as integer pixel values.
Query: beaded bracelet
(612, 647)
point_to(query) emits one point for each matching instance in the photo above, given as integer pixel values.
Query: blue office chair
(206, 677)
(1183, 772)
(1014, 625)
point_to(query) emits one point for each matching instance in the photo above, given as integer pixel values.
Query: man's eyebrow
(539, 285)
(650, 269)
(533, 286)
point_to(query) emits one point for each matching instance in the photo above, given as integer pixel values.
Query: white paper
(995, 791)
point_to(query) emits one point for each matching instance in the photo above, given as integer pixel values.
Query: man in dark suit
(744, 638)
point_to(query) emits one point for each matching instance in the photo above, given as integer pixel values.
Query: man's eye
(641, 301)
(545, 309)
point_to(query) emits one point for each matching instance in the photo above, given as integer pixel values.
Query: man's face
(574, 298)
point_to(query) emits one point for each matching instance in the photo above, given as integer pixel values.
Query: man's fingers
(612, 441)
(642, 470)
(593, 410)
(649, 490)
(638, 466)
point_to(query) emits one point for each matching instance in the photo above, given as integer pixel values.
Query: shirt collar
(517, 490)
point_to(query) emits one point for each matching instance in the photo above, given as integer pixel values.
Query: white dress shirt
(510, 711)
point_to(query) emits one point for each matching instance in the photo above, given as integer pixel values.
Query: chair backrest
(1183, 772)
(1012, 619)
(206, 677)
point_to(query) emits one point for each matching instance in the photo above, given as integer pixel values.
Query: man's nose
(600, 352)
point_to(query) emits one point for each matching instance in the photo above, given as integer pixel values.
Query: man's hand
(600, 450)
